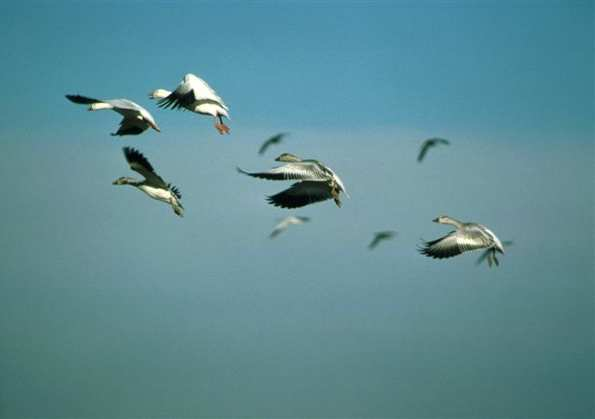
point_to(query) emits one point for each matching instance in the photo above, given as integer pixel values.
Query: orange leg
(221, 127)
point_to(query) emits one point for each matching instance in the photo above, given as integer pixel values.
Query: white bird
(317, 182)
(136, 118)
(194, 94)
(153, 185)
(466, 237)
(286, 222)
(429, 143)
(381, 236)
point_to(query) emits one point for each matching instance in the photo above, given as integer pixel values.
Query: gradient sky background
(112, 307)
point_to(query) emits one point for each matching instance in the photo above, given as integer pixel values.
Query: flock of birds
(314, 181)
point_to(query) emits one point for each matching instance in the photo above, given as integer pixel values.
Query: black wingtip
(81, 100)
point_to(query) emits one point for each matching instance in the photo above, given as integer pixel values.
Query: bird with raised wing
(429, 143)
(490, 254)
(136, 118)
(153, 185)
(275, 139)
(465, 237)
(381, 236)
(317, 182)
(194, 94)
(286, 222)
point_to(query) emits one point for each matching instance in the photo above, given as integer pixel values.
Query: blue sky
(113, 307)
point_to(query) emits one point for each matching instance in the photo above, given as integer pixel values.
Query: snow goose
(153, 185)
(429, 143)
(317, 182)
(286, 222)
(194, 94)
(490, 254)
(275, 139)
(136, 118)
(465, 237)
(381, 236)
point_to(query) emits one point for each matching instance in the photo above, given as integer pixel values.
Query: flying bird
(489, 254)
(381, 236)
(153, 185)
(429, 143)
(317, 182)
(465, 237)
(286, 222)
(136, 118)
(276, 139)
(194, 94)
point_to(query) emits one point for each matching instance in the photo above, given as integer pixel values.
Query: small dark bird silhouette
(275, 139)
(381, 236)
(429, 143)
(490, 255)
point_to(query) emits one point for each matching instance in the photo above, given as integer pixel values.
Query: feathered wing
(276, 139)
(301, 194)
(140, 164)
(290, 171)
(424, 150)
(131, 126)
(455, 243)
(190, 92)
(82, 100)
(377, 239)
(380, 236)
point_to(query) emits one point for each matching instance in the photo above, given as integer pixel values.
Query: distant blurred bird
(286, 222)
(317, 182)
(429, 143)
(153, 185)
(381, 236)
(194, 94)
(490, 254)
(276, 139)
(136, 118)
(466, 237)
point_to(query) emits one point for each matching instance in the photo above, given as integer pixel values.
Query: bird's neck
(453, 222)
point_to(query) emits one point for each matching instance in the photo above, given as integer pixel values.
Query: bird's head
(121, 181)
(288, 157)
(442, 219)
(159, 94)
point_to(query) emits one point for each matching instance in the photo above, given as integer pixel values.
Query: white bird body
(136, 119)
(466, 237)
(317, 182)
(163, 195)
(194, 94)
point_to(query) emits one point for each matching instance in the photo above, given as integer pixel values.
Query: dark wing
(82, 100)
(175, 190)
(176, 100)
(377, 239)
(437, 140)
(276, 139)
(131, 126)
(301, 194)
(140, 164)
(424, 149)
(380, 236)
